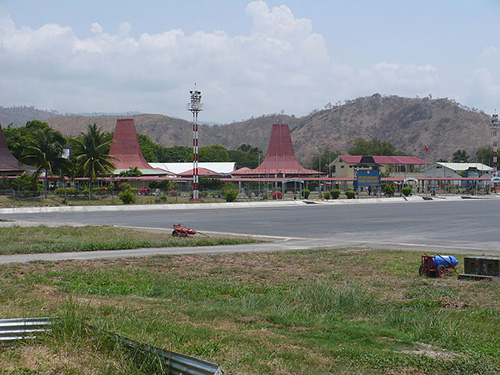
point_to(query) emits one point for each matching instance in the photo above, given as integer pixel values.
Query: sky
(248, 58)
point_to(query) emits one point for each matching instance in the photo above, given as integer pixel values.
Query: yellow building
(344, 166)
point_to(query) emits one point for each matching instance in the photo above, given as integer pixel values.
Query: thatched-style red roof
(125, 147)
(280, 158)
(8, 162)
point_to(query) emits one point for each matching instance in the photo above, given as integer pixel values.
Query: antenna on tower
(195, 106)
(494, 136)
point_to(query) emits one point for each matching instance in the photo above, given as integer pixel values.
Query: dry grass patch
(324, 311)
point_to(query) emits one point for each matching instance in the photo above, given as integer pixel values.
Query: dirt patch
(431, 352)
(453, 304)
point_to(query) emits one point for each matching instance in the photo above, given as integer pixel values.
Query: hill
(408, 123)
(19, 116)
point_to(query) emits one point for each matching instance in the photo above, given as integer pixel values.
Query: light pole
(195, 106)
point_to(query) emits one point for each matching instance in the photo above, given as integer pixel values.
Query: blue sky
(249, 58)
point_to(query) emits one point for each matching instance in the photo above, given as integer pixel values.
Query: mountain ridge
(410, 124)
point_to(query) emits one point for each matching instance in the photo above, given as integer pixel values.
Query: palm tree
(131, 172)
(91, 154)
(45, 152)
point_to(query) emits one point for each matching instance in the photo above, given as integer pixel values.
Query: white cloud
(483, 88)
(490, 52)
(281, 64)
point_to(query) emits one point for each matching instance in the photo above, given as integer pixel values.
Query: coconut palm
(90, 151)
(44, 151)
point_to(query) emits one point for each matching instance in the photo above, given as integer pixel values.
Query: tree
(25, 183)
(178, 154)
(484, 155)
(210, 184)
(215, 153)
(18, 137)
(131, 172)
(246, 156)
(91, 154)
(152, 152)
(252, 150)
(323, 160)
(373, 147)
(243, 159)
(460, 156)
(44, 151)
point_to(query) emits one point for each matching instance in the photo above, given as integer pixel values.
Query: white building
(442, 170)
(220, 168)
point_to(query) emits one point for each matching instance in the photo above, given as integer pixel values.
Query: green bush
(350, 194)
(26, 183)
(162, 198)
(406, 191)
(335, 193)
(230, 195)
(389, 189)
(306, 193)
(100, 190)
(66, 191)
(326, 195)
(127, 197)
(124, 186)
(313, 185)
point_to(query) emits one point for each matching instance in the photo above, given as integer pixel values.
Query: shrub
(230, 195)
(100, 190)
(127, 197)
(26, 183)
(306, 193)
(406, 191)
(162, 198)
(350, 194)
(277, 195)
(326, 195)
(173, 193)
(335, 193)
(66, 191)
(313, 185)
(124, 186)
(389, 189)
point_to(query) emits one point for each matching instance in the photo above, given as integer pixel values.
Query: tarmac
(270, 244)
(255, 204)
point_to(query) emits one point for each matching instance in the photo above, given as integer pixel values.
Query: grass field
(43, 239)
(311, 312)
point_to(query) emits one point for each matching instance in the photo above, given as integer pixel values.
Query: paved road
(466, 226)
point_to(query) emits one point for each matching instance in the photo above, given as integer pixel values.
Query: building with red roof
(280, 159)
(126, 150)
(394, 166)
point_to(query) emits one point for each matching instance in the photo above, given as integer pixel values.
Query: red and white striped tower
(195, 106)
(494, 135)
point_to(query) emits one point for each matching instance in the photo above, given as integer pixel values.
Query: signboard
(368, 177)
(66, 152)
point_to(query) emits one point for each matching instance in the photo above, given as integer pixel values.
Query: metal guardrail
(177, 364)
(12, 330)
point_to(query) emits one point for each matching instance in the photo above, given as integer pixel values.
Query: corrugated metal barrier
(21, 329)
(12, 330)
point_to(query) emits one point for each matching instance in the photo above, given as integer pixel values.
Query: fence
(13, 330)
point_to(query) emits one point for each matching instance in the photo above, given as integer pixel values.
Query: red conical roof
(280, 158)
(125, 147)
(8, 162)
